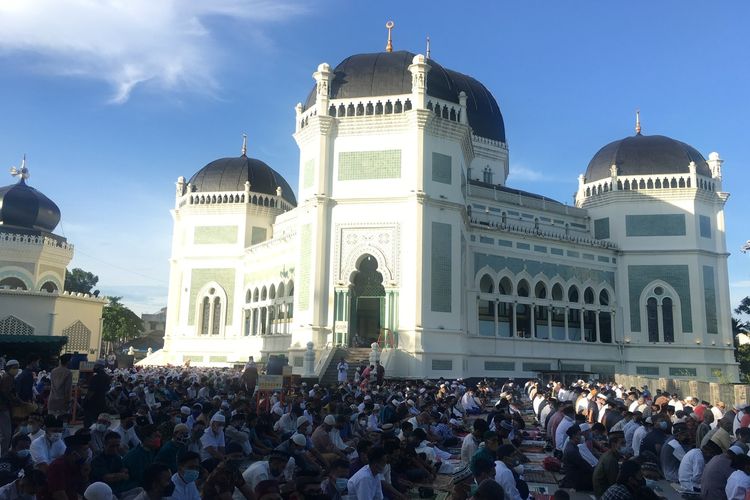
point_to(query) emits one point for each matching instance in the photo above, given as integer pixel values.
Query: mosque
(404, 233)
(37, 315)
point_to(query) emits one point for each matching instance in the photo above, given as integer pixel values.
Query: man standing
(25, 381)
(342, 370)
(8, 399)
(61, 387)
(380, 372)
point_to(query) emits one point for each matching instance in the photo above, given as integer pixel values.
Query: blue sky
(112, 101)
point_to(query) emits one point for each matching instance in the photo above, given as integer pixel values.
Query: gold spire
(389, 45)
(244, 144)
(638, 122)
(428, 48)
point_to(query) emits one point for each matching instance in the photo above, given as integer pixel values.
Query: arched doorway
(368, 303)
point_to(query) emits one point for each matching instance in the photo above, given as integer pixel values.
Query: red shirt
(62, 475)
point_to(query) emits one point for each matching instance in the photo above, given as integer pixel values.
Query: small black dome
(23, 206)
(230, 174)
(387, 73)
(645, 155)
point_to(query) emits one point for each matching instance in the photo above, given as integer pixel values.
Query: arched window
(49, 287)
(588, 296)
(13, 283)
(660, 312)
(211, 312)
(248, 296)
(256, 294)
(486, 307)
(272, 292)
(573, 294)
(557, 292)
(540, 291)
(523, 288)
(205, 315)
(263, 293)
(667, 319)
(653, 320)
(603, 298)
(505, 287)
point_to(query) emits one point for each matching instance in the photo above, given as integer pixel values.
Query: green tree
(120, 323)
(81, 281)
(744, 307)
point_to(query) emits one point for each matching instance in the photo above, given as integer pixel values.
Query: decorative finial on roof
(427, 54)
(638, 122)
(244, 144)
(21, 172)
(389, 46)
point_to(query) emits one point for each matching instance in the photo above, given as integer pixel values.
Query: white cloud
(126, 43)
(521, 173)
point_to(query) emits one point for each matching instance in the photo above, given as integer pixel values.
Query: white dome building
(404, 233)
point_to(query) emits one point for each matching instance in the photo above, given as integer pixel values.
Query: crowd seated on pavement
(205, 433)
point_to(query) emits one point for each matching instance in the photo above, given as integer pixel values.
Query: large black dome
(387, 73)
(230, 174)
(645, 155)
(22, 206)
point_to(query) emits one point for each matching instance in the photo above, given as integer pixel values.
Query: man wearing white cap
(321, 439)
(99, 491)
(212, 441)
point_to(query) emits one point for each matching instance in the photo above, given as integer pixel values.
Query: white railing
(35, 240)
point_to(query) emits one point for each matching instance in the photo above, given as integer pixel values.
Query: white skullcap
(299, 440)
(185, 410)
(585, 427)
(218, 417)
(329, 420)
(302, 421)
(98, 491)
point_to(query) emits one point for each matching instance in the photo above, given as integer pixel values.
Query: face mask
(24, 429)
(622, 450)
(341, 483)
(190, 475)
(177, 420)
(663, 425)
(518, 469)
(156, 443)
(54, 436)
(24, 453)
(102, 427)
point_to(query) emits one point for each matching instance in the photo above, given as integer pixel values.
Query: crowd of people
(192, 433)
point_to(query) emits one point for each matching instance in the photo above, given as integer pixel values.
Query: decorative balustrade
(649, 182)
(235, 197)
(487, 223)
(35, 240)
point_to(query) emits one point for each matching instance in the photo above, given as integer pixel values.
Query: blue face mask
(190, 475)
(341, 483)
(663, 425)
(24, 453)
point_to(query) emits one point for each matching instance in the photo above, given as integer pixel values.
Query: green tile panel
(367, 165)
(224, 277)
(303, 289)
(258, 235)
(214, 235)
(705, 226)
(601, 228)
(655, 225)
(308, 173)
(441, 168)
(677, 276)
(441, 268)
(499, 366)
(709, 295)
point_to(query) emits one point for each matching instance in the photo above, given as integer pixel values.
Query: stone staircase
(353, 355)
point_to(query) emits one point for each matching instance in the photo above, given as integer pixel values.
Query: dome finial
(244, 144)
(389, 46)
(427, 53)
(21, 172)
(638, 122)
